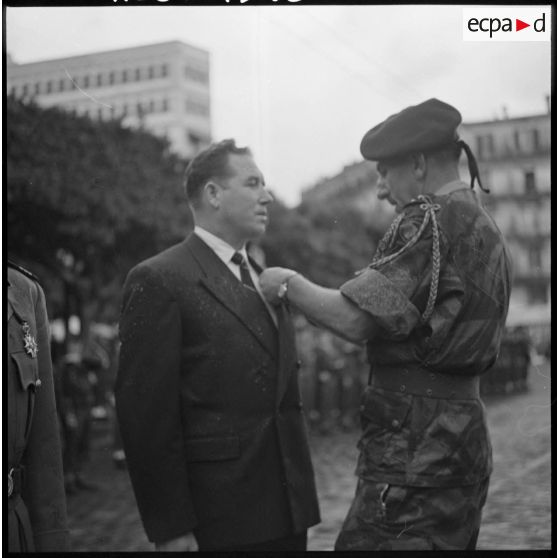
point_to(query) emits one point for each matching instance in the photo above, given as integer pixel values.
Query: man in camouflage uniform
(431, 306)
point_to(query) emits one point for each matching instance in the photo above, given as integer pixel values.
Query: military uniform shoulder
(23, 271)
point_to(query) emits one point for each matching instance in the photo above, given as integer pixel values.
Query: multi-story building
(163, 87)
(514, 160)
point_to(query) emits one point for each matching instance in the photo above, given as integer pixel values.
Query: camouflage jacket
(408, 439)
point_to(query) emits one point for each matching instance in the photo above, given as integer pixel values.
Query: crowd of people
(84, 374)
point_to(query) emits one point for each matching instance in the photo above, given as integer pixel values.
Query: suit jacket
(209, 407)
(37, 506)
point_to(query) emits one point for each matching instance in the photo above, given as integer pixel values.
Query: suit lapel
(287, 346)
(218, 279)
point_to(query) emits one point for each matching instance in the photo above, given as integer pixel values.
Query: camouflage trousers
(390, 517)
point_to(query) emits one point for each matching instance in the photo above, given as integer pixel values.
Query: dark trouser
(391, 517)
(20, 534)
(285, 544)
(76, 442)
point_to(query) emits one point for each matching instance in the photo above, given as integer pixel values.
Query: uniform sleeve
(147, 395)
(44, 478)
(395, 293)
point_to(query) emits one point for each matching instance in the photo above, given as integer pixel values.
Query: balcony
(505, 154)
(540, 196)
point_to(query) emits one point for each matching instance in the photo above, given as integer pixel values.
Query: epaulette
(23, 271)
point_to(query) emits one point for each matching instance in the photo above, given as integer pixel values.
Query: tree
(325, 243)
(86, 201)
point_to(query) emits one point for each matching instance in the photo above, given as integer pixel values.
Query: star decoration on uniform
(31, 347)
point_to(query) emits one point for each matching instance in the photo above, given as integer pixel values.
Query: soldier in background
(118, 455)
(36, 501)
(77, 398)
(523, 348)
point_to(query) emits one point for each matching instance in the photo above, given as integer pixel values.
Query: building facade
(164, 88)
(356, 186)
(514, 157)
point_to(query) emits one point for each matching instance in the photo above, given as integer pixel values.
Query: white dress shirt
(225, 252)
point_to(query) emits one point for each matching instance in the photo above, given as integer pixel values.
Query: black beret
(417, 128)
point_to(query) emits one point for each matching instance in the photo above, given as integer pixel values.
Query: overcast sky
(301, 84)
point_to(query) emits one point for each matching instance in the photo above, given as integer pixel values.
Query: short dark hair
(209, 163)
(448, 153)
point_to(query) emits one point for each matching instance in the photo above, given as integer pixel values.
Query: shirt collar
(451, 187)
(223, 249)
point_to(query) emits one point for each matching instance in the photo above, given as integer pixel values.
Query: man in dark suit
(207, 393)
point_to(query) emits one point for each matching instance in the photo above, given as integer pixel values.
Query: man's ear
(419, 166)
(212, 193)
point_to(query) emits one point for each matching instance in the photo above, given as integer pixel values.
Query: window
(49, 86)
(13, 91)
(124, 76)
(536, 140)
(193, 138)
(196, 74)
(62, 85)
(139, 109)
(37, 88)
(535, 260)
(111, 78)
(165, 105)
(539, 296)
(516, 142)
(99, 80)
(138, 74)
(164, 70)
(197, 106)
(485, 146)
(85, 81)
(151, 106)
(530, 186)
(25, 90)
(150, 72)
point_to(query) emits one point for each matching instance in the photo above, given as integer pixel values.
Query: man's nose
(383, 190)
(266, 197)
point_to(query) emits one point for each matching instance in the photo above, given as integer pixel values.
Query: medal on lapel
(31, 347)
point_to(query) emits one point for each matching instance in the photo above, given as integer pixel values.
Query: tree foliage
(87, 200)
(326, 243)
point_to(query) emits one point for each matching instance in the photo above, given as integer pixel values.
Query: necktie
(245, 277)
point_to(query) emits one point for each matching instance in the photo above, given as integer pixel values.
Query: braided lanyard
(387, 240)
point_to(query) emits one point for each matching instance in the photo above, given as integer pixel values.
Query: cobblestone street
(517, 515)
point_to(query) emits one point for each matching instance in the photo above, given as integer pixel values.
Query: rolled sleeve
(391, 308)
